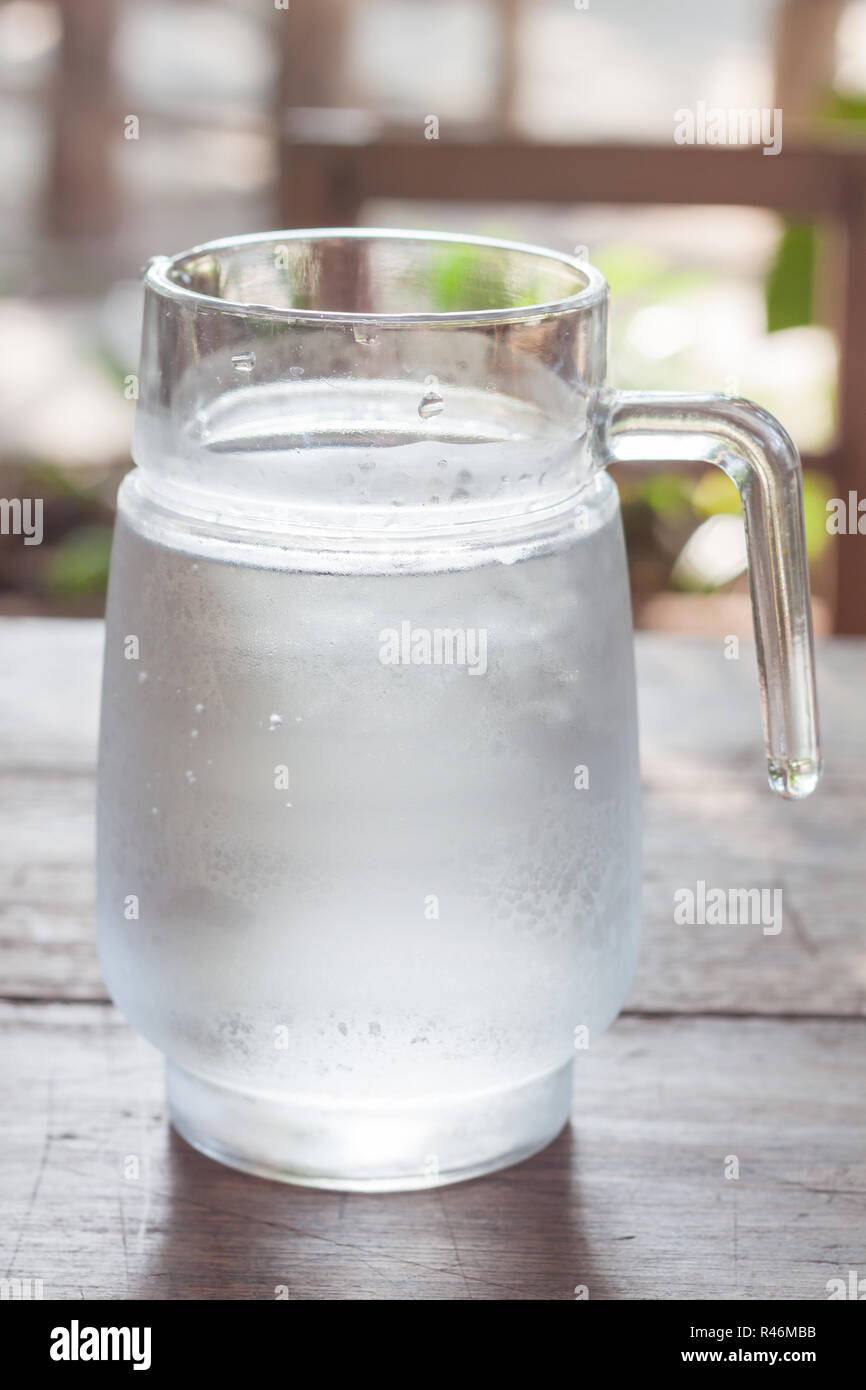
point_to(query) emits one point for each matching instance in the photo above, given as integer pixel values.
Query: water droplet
(365, 335)
(195, 569)
(154, 810)
(190, 776)
(299, 719)
(443, 463)
(431, 403)
(274, 722)
(244, 361)
(193, 733)
(296, 371)
(581, 252)
(142, 677)
(199, 709)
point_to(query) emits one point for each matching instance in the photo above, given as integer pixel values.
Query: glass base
(373, 1147)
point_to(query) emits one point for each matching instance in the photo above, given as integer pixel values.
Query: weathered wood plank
(50, 672)
(708, 817)
(632, 1202)
(809, 180)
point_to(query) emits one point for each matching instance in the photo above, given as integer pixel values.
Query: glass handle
(756, 452)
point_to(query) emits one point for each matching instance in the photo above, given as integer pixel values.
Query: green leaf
(844, 106)
(79, 564)
(464, 278)
(817, 491)
(715, 493)
(790, 289)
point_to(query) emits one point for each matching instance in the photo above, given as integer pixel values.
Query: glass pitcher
(369, 821)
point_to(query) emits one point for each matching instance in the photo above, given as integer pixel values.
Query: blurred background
(129, 127)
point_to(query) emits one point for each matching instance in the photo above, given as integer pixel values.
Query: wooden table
(734, 1043)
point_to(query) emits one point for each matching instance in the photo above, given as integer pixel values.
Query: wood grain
(631, 1201)
(735, 1044)
(809, 181)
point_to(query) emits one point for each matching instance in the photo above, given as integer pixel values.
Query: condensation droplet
(275, 721)
(581, 252)
(193, 733)
(199, 709)
(365, 335)
(142, 677)
(190, 776)
(431, 403)
(244, 361)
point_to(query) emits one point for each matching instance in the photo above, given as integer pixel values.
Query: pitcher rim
(158, 271)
